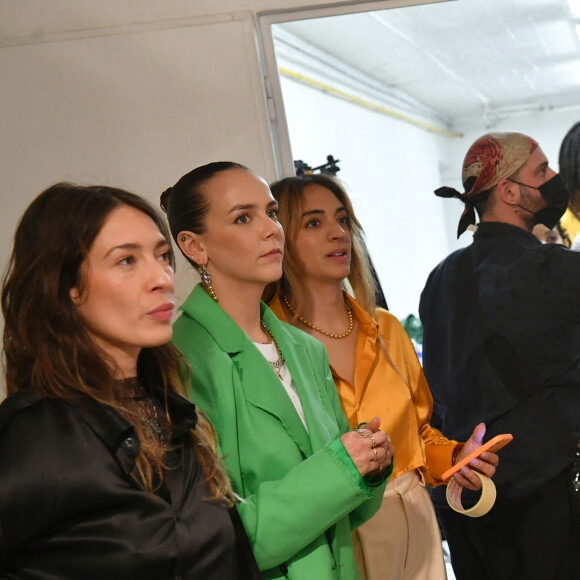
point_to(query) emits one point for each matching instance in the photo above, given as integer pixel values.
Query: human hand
(370, 448)
(486, 463)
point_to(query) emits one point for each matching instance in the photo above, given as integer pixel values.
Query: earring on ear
(515, 207)
(206, 280)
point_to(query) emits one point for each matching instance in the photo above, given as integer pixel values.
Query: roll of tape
(485, 503)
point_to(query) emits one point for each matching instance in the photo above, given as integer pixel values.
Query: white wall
(132, 94)
(135, 93)
(390, 169)
(134, 110)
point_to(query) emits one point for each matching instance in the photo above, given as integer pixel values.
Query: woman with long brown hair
(375, 370)
(107, 471)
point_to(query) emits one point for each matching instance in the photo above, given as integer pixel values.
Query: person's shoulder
(58, 448)
(14, 403)
(186, 322)
(384, 317)
(26, 404)
(190, 335)
(442, 279)
(448, 266)
(450, 261)
(556, 264)
(389, 324)
(25, 416)
(553, 260)
(557, 251)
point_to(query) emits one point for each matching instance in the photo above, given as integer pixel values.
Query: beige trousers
(401, 541)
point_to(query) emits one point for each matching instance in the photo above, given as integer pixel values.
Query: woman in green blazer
(303, 479)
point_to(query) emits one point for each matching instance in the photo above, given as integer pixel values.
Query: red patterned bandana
(490, 159)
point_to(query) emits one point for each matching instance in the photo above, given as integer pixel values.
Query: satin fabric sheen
(69, 507)
(378, 389)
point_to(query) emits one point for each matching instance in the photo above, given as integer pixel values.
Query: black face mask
(556, 194)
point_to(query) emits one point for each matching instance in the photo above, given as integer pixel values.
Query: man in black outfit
(501, 344)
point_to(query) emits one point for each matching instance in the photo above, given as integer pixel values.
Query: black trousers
(531, 537)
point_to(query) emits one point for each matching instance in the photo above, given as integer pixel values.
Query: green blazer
(301, 494)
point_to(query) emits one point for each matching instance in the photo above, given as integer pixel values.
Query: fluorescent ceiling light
(575, 7)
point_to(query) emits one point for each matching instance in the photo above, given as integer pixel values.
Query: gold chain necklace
(317, 328)
(277, 364)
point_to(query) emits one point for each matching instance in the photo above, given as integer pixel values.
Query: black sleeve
(35, 465)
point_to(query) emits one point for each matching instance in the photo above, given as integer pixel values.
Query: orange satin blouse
(405, 410)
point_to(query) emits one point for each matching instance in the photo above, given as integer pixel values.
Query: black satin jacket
(69, 508)
(531, 296)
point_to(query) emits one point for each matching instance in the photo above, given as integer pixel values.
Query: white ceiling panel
(464, 58)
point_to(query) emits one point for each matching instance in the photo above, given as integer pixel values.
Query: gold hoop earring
(206, 280)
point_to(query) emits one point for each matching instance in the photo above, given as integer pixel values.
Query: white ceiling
(464, 59)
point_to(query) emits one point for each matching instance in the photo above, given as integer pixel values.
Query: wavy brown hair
(47, 347)
(289, 193)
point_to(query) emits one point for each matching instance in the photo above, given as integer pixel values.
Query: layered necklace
(279, 363)
(317, 328)
(139, 406)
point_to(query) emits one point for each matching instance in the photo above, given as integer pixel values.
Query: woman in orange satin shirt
(376, 372)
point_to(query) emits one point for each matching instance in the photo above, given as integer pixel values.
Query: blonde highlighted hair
(289, 193)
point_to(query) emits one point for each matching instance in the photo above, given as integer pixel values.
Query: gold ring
(360, 432)
(376, 456)
(373, 440)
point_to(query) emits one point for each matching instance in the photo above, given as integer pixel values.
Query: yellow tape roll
(485, 503)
